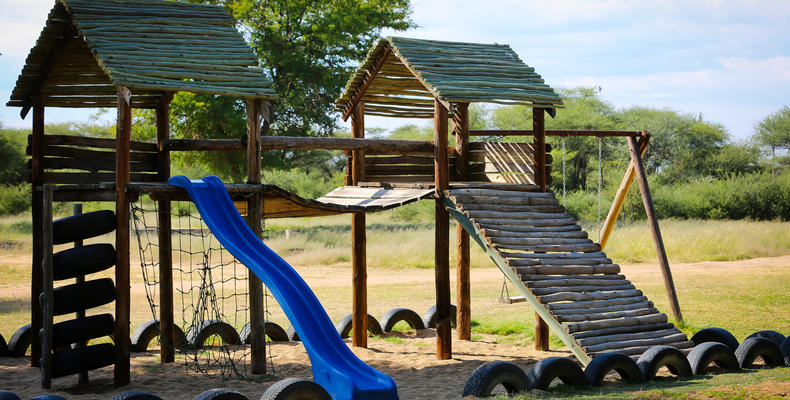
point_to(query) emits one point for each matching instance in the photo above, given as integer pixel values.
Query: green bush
(14, 199)
(759, 196)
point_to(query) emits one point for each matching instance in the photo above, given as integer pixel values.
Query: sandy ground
(411, 363)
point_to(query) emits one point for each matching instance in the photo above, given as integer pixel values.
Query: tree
(308, 49)
(774, 131)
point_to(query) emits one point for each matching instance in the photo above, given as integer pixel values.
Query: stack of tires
(68, 357)
(714, 347)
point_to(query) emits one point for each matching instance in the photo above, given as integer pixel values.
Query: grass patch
(750, 384)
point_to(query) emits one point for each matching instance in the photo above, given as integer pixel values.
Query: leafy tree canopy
(309, 49)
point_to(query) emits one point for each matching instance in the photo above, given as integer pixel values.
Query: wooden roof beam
(366, 82)
(46, 69)
(447, 105)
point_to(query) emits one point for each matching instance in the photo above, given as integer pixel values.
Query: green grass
(749, 384)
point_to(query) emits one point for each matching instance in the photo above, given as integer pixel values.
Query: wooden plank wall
(488, 162)
(86, 160)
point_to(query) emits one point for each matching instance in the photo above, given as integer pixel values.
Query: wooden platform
(572, 285)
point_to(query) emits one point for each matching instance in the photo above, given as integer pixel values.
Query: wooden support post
(359, 269)
(123, 137)
(622, 192)
(167, 332)
(47, 272)
(37, 179)
(652, 220)
(83, 376)
(254, 218)
(539, 128)
(444, 343)
(462, 251)
(541, 334)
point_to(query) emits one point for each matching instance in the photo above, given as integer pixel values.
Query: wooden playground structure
(99, 54)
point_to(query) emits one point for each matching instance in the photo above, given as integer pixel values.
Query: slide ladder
(334, 366)
(566, 278)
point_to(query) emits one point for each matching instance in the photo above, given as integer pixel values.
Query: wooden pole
(462, 250)
(652, 220)
(359, 272)
(123, 137)
(444, 344)
(47, 282)
(539, 132)
(622, 192)
(167, 332)
(83, 376)
(254, 218)
(37, 179)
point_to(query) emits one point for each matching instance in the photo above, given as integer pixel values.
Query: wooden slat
(611, 323)
(565, 269)
(683, 346)
(583, 277)
(605, 316)
(634, 339)
(93, 165)
(472, 207)
(565, 281)
(529, 229)
(527, 241)
(595, 310)
(588, 290)
(584, 247)
(567, 296)
(564, 222)
(500, 199)
(514, 215)
(73, 152)
(590, 341)
(597, 303)
(78, 177)
(493, 233)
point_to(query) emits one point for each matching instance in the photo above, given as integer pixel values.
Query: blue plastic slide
(335, 367)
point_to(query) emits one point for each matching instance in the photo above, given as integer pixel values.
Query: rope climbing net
(210, 287)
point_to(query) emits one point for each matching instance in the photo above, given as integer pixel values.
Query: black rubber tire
(73, 361)
(754, 347)
(659, 356)
(49, 397)
(597, 369)
(703, 354)
(66, 333)
(785, 349)
(135, 395)
(773, 336)
(85, 260)
(20, 341)
(344, 326)
(83, 226)
(197, 335)
(82, 296)
(716, 335)
(221, 394)
(274, 332)
(396, 315)
(145, 333)
(487, 376)
(429, 319)
(545, 371)
(6, 395)
(295, 389)
(292, 335)
(3, 347)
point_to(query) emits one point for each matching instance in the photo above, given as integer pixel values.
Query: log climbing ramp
(575, 288)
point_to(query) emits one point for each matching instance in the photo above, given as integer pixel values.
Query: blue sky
(729, 60)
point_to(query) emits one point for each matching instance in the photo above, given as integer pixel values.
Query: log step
(495, 193)
(598, 310)
(592, 341)
(567, 296)
(515, 215)
(524, 228)
(468, 200)
(567, 223)
(580, 289)
(557, 262)
(622, 329)
(565, 269)
(615, 322)
(595, 304)
(527, 241)
(495, 233)
(672, 338)
(536, 277)
(539, 208)
(684, 346)
(604, 316)
(561, 281)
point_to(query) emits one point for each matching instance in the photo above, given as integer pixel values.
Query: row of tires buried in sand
(713, 347)
(197, 336)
